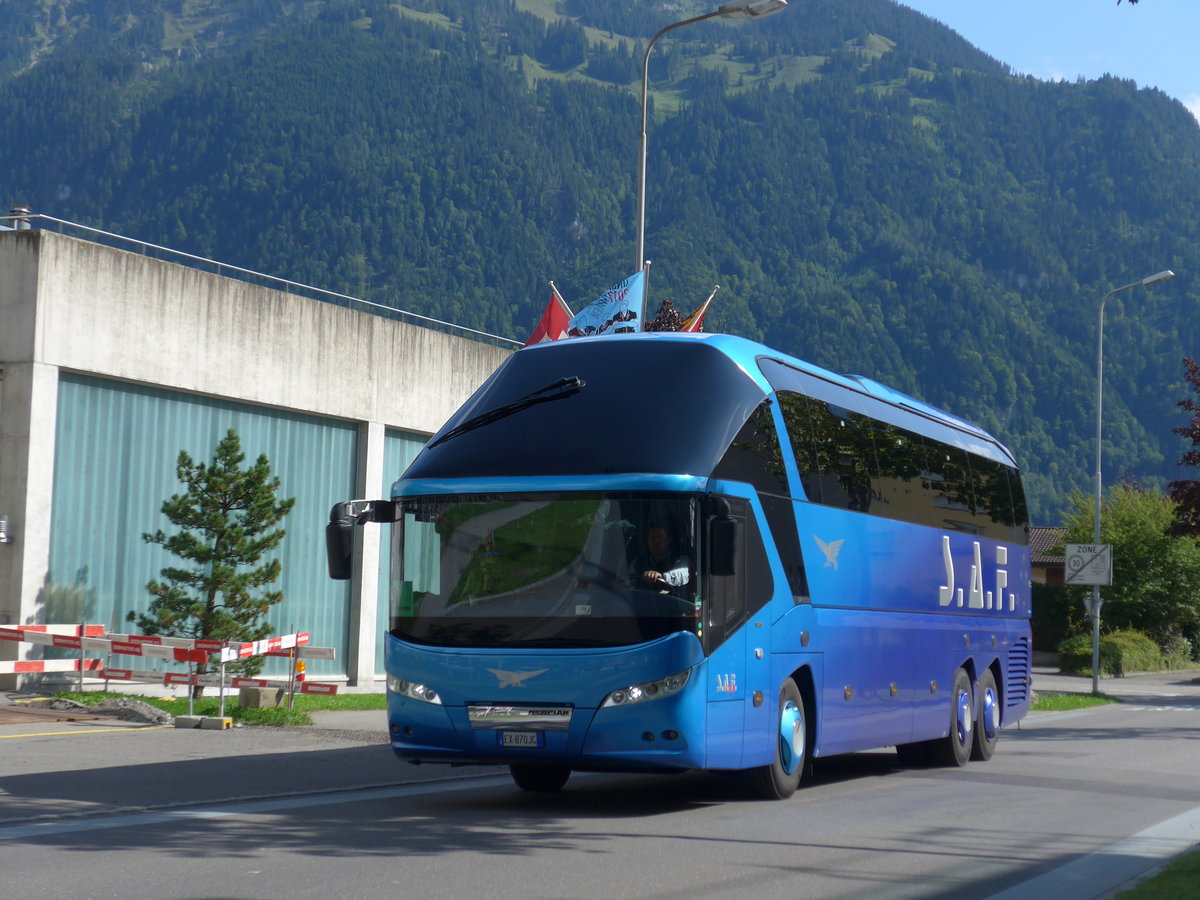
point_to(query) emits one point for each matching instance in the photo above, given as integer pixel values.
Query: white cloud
(1193, 105)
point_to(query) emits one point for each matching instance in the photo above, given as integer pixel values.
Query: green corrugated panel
(399, 449)
(115, 455)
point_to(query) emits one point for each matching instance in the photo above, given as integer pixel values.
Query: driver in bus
(659, 568)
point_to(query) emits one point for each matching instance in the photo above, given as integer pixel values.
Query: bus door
(739, 651)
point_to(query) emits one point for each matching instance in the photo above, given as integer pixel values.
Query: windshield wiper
(556, 390)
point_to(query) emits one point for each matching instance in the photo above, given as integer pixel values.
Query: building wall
(113, 362)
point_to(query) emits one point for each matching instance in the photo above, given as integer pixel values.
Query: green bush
(1121, 652)
(1178, 653)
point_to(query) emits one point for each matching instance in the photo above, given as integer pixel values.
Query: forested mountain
(872, 193)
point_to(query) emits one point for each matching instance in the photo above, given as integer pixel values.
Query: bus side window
(755, 456)
(1020, 527)
(800, 432)
(948, 481)
(781, 520)
(897, 487)
(731, 599)
(993, 502)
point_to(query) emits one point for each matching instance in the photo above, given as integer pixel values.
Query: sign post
(1091, 564)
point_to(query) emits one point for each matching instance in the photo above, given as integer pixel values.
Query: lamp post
(737, 9)
(1096, 602)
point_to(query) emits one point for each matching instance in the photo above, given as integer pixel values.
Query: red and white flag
(554, 322)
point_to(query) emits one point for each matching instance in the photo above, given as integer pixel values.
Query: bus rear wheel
(779, 780)
(955, 748)
(987, 728)
(540, 779)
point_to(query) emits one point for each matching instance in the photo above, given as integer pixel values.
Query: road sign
(1089, 564)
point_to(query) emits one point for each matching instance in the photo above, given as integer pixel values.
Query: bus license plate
(521, 738)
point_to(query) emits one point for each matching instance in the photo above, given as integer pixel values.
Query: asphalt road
(1073, 805)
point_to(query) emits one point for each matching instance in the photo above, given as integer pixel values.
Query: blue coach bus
(664, 552)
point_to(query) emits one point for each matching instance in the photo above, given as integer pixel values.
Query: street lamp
(1096, 602)
(737, 9)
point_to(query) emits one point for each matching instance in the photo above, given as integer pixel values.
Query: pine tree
(227, 522)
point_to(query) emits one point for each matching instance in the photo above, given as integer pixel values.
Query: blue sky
(1154, 42)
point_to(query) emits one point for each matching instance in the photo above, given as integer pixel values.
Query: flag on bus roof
(554, 321)
(618, 310)
(695, 321)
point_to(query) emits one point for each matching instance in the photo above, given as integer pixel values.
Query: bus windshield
(544, 570)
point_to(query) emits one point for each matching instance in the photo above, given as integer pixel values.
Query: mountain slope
(870, 192)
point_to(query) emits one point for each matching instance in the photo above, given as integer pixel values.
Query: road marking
(8, 737)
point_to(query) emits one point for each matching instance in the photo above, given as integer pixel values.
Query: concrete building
(112, 361)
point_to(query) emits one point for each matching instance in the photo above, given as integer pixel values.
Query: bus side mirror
(339, 533)
(339, 543)
(722, 545)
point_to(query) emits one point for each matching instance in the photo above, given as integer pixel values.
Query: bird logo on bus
(831, 551)
(515, 679)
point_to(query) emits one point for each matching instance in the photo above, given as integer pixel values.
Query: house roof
(1042, 540)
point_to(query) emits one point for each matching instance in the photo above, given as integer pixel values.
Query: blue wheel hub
(991, 715)
(791, 737)
(963, 717)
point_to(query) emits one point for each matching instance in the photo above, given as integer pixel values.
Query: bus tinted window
(781, 519)
(898, 489)
(949, 484)
(852, 461)
(1020, 510)
(729, 600)
(699, 400)
(755, 456)
(800, 434)
(845, 453)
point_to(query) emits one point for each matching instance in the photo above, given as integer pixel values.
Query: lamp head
(1164, 275)
(745, 9)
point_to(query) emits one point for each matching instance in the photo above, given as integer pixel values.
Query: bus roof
(664, 403)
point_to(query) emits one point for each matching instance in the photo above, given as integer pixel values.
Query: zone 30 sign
(1089, 564)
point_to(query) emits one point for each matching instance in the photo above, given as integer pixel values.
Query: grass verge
(1179, 879)
(1050, 702)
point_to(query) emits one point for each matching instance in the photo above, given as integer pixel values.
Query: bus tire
(539, 779)
(779, 780)
(987, 726)
(955, 748)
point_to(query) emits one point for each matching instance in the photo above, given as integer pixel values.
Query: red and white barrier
(68, 637)
(92, 638)
(183, 678)
(23, 666)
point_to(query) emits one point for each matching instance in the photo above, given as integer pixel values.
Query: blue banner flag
(618, 310)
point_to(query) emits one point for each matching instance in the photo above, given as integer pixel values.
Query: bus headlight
(651, 690)
(422, 693)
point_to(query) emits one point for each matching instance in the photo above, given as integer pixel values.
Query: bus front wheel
(779, 780)
(955, 748)
(540, 779)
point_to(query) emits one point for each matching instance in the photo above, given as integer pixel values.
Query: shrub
(1178, 653)
(1121, 652)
